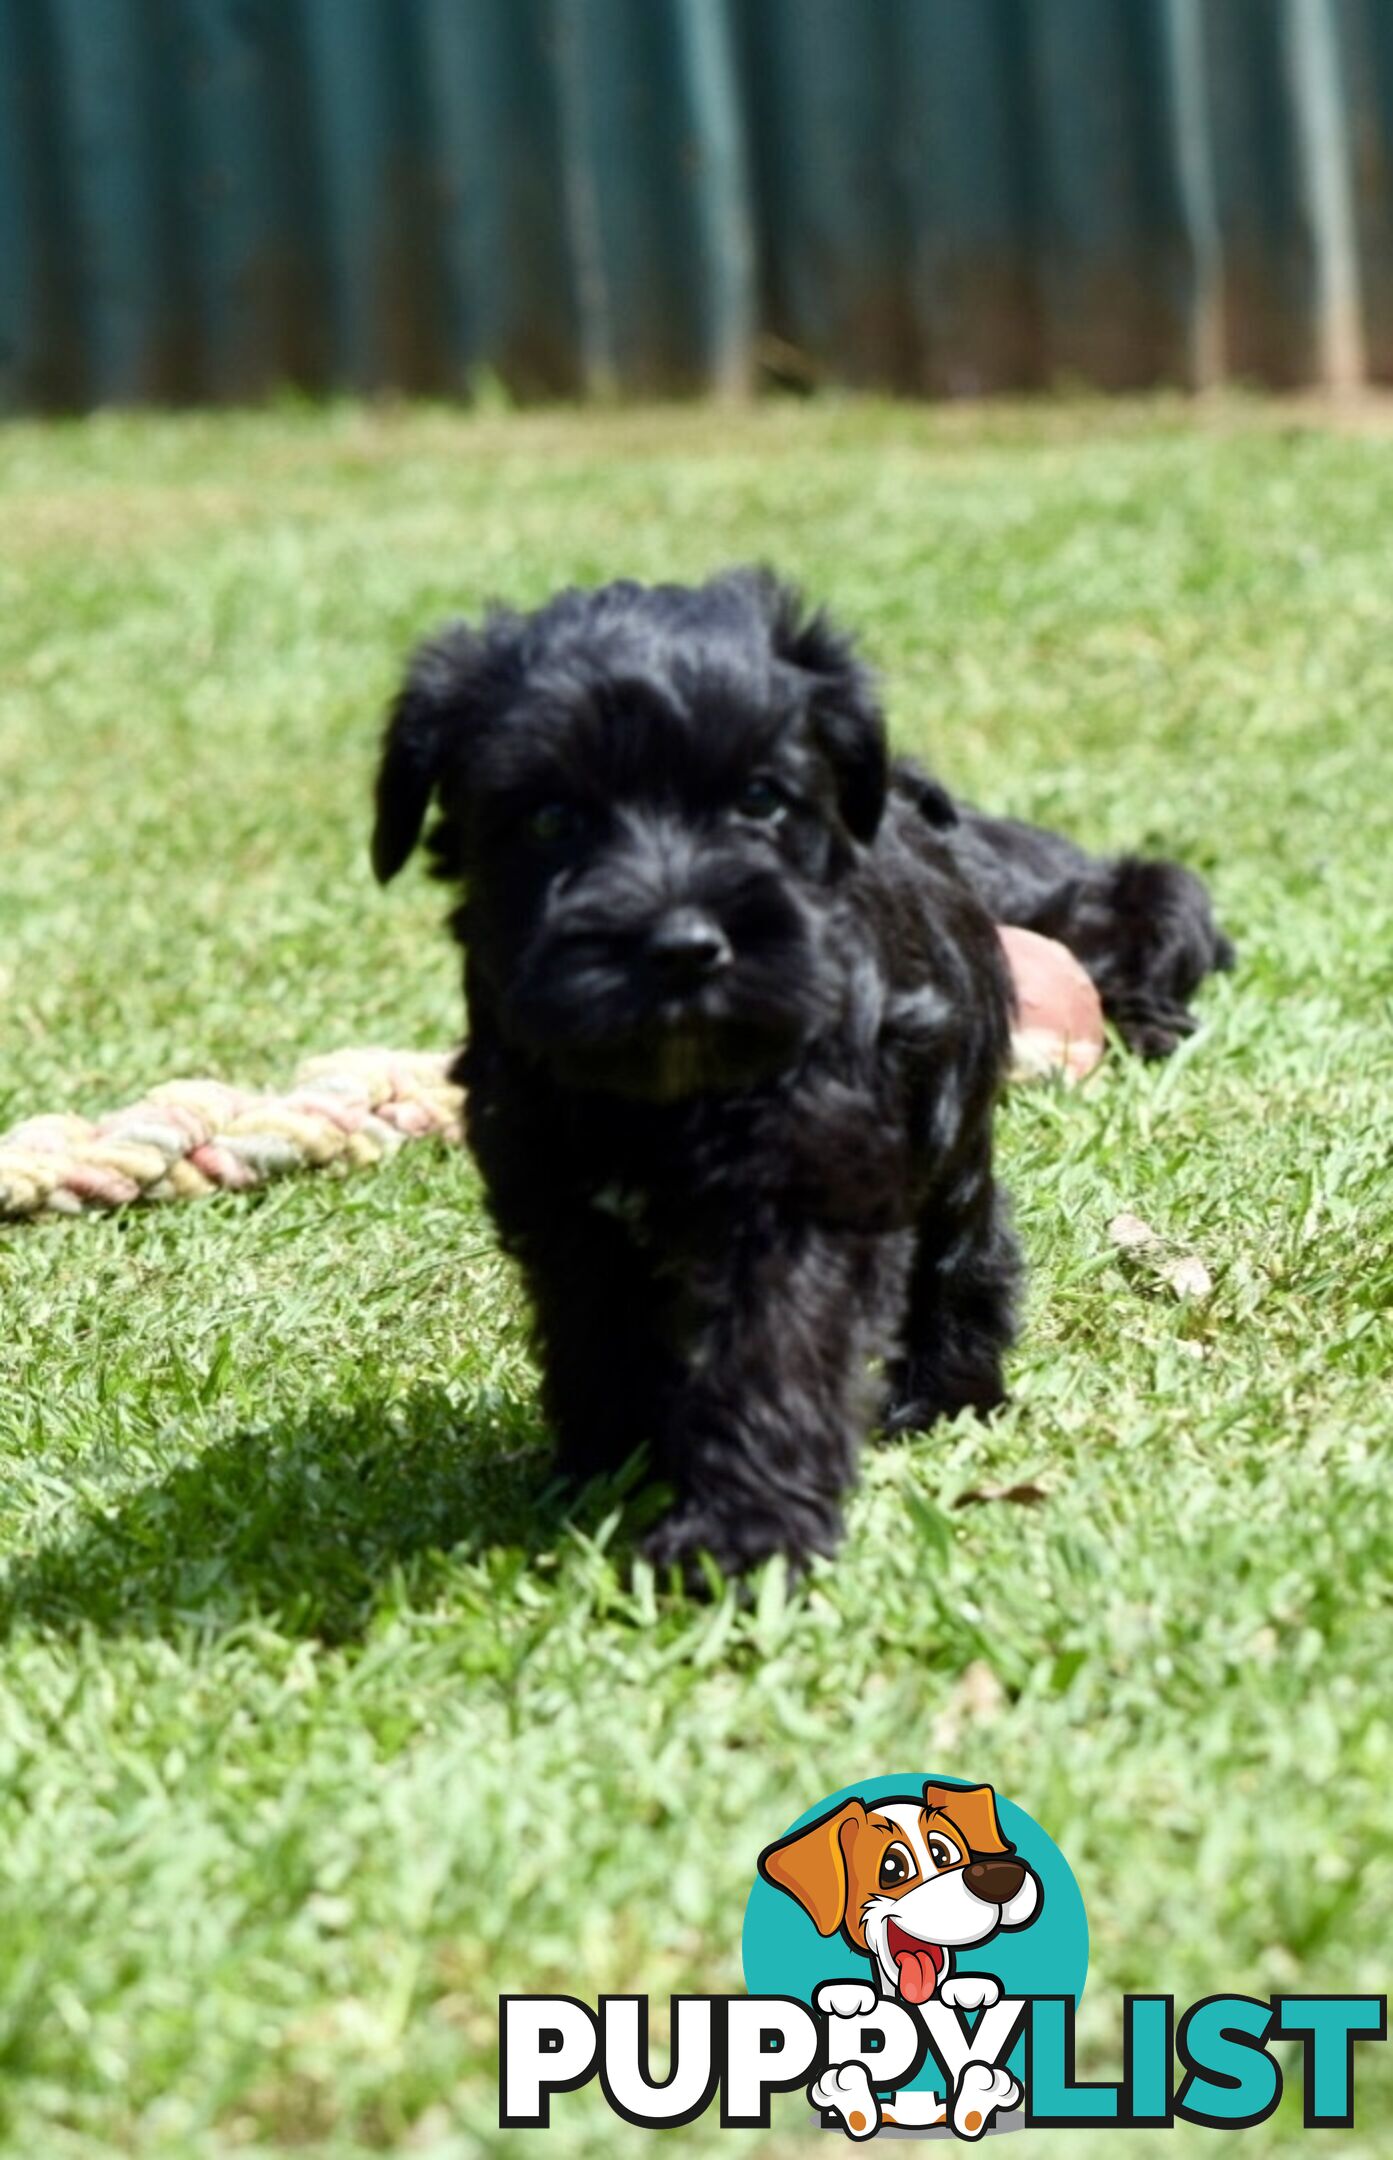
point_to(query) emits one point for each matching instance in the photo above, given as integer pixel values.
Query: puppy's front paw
(920, 1391)
(970, 1991)
(735, 1541)
(845, 2090)
(681, 1539)
(844, 1998)
(982, 2090)
(1155, 1030)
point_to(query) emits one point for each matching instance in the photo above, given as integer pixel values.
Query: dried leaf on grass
(1184, 1273)
(1025, 1495)
(1188, 1277)
(1130, 1232)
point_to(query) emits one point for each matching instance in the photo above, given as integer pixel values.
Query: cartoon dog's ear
(811, 1866)
(973, 1809)
(433, 700)
(845, 709)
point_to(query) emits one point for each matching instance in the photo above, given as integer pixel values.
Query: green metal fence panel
(214, 199)
(1114, 256)
(1365, 32)
(968, 161)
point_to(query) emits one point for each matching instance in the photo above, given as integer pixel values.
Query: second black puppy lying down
(737, 1024)
(1142, 927)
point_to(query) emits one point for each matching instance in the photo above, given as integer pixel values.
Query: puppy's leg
(1144, 932)
(606, 1369)
(762, 1437)
(960, 1313)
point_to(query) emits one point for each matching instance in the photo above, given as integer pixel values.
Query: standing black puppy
(737, 1024)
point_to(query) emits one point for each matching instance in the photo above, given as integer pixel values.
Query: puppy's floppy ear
(972, 1809)
(428, 707)
(811, 1866)
(846, 713)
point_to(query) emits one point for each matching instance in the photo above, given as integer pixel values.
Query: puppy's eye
(942, 1853)
(551, 823)
(896, 1867)
(761, 799)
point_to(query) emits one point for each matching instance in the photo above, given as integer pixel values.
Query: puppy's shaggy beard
(582, 998)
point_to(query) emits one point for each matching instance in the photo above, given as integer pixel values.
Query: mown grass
(322, 1719)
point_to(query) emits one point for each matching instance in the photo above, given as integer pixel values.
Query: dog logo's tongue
(918, 1973)
(919, 1964)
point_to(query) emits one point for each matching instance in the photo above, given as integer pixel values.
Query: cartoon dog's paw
(844, 1998)
(970, 1991)
(982, 2089)
(845, 2090)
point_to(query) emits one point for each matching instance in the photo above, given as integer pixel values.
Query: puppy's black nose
(995, 1880)
(686, 947)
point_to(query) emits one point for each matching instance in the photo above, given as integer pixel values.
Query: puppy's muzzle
(686, 949)
(995, 1880)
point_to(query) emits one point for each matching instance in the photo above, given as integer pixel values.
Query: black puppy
(737, 1023)
(1142, 927)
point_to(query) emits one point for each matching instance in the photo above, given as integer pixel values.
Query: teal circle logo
(863, 1884)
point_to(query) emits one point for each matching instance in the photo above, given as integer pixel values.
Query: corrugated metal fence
(214, 198)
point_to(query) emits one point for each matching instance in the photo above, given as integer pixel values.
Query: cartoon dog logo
(906, 1882)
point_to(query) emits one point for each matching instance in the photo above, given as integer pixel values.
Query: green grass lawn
(321, 1719)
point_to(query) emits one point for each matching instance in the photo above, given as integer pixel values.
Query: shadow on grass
(303, 1526)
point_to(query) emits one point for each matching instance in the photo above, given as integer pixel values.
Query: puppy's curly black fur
(736, 1030)
(738, 1018)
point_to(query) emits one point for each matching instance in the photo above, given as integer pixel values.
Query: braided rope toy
(351, 1108)
(190, 1137)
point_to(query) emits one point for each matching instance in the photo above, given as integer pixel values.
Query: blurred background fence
(214, 199)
